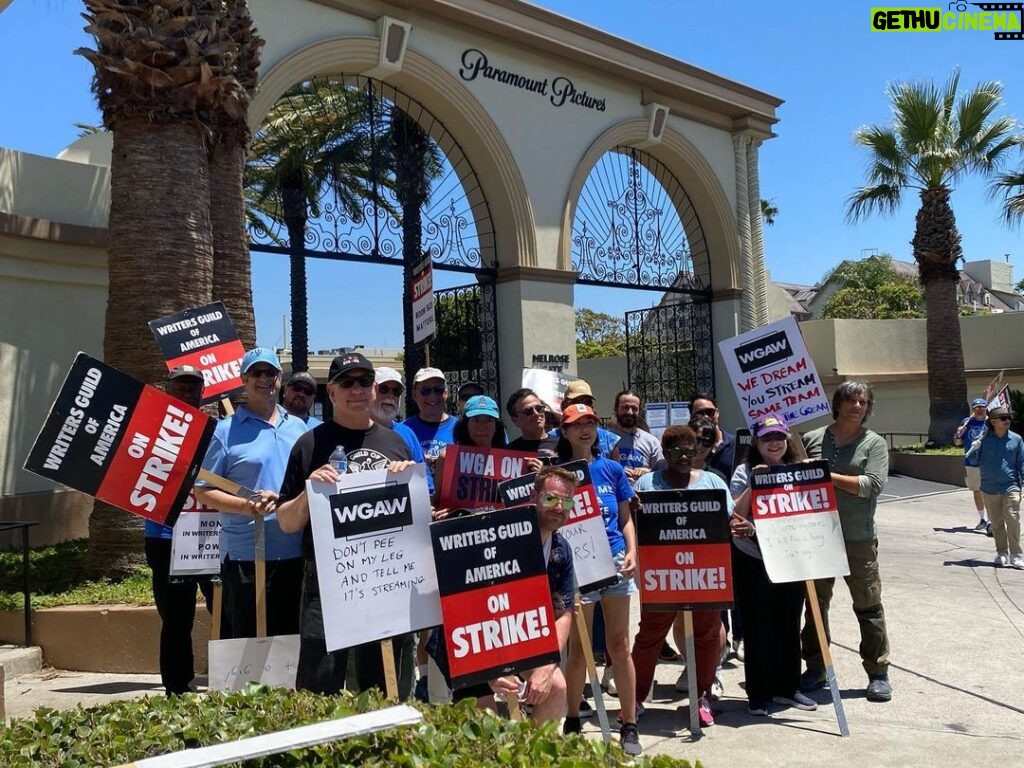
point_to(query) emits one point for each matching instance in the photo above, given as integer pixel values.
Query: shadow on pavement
(110, 688)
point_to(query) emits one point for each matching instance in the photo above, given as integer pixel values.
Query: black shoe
(585, 709)
(420, 691)
(879, 688)
(668, 653)
(988, 530)
(571, 725)
(629, 738)
(813, 680)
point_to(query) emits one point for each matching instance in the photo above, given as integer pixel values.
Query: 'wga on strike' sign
(370, 512)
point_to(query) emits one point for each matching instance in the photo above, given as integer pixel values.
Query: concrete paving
(956, 626)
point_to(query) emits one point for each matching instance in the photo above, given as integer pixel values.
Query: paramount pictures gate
(349, 168)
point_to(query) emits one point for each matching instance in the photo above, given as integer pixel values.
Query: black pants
(176, 604)
(284, 589)
(771, 629)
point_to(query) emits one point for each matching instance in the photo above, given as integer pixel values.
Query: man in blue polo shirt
(251, 448)
(433, 426)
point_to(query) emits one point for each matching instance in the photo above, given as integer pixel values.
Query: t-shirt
(606, 440)
(973, 430)
(722, 457)
(655, 481)
(546, 447)
(372, 448)
(638, 449)
(561, 573)
(433, 436)
(612, 486)
(414, 448)
(739, 483)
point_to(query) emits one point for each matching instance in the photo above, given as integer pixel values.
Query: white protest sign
(793, 507)
(679, 413)
(195, 541)
(657, 418)
(549, 386)
(271, 661)
(374, 557)
(773, 373)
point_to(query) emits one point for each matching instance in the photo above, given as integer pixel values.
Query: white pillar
(757, 234)
(748, 302)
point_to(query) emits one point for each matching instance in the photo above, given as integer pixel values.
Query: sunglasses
(565, 502)
(428, 391)
(1001, 418)
(773, 437)
(709, 412)
(308, 391)
(678, 452)
(363, 381)
(581, 400)
(533, 410)
(395, 390)
(264, 373)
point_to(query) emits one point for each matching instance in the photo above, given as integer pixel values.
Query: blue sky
(820, 57)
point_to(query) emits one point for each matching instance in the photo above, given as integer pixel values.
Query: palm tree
(160, 68)
(1011, 187)
(769, 210)
(936, 137)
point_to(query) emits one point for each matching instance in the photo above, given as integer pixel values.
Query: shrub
(458, 735)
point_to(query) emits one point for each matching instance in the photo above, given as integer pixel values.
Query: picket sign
(826, 656)
(271, 661)
(284, 741)
(595, 681)
(691, 674)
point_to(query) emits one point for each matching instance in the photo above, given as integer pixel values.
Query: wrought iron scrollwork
(670, 350)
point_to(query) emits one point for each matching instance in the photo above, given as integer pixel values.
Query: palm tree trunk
(294, 208)
(160, 261)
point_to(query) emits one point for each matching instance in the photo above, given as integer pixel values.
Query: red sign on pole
(471, 475)
(121, 441)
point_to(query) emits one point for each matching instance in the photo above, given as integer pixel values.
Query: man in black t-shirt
(350, 387)
(527, 412)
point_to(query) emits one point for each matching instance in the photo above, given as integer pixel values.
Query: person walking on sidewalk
(971, 429)
(1001, 461)
(859, 461)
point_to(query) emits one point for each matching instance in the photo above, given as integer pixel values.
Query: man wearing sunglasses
(351, 387)
(553, 494)
(528, 411)
(385, 409)
(433, 425)
(724, 449)
(299, 396)
(1001, 460)
(251, 448)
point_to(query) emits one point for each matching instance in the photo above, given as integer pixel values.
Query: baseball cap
(304, 376)
(260, 355)
(384, 374)
(978, 401)
(185, 371)
(999, 410)
(577, 388)
(424, 374)
(351, 361)
(768, 424)
(481, 405)
(573, 413)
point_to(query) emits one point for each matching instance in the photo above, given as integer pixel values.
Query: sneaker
(641, 710)
(757, 708)
(796, 700)
(988, 530)
(608, 681)
(879, 688)
(737, 650)
(704, 712)
(420, 691)
(681, 684)
(1017, 561)
(813, 680)
(668, 653)
(1001, 559)
(629, 738)
(717, 691)
(585, 709)
(981, 526)
(571, 725)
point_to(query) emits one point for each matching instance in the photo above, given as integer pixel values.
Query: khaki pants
(865, 585)
(1004, 514)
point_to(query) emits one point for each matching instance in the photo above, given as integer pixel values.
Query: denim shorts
(623, 587)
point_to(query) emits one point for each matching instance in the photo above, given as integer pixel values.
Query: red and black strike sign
(495, 597)
(685, 560)
(204, 338)
(787, 490)
(121, 441)
(472, 475)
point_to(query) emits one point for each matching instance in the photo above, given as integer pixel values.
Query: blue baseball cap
(481, 405)
(260, 355)
(978, 401)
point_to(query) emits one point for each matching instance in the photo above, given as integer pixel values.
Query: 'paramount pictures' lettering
(559, 90)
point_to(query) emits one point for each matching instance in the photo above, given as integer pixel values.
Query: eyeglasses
(307, 391)
(428, 391)
(773, 437)
(565, 502)
(1001, 418)
(709, 412)
(581, 400)
(395, 390)
(264, 373)
(678, 452)
(363, 381)
(533, 410)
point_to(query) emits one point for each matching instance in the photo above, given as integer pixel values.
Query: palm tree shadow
(958, 529)
(970, 563)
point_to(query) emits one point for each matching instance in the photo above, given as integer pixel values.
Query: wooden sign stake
(595, 681)
(387, 653)
(691, 675)
(826, 654)
(218, 605)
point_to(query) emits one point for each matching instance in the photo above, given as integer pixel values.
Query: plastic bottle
(339, 460)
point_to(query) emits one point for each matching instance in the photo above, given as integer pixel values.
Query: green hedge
(458, 735)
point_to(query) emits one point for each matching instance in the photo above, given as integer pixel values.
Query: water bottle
(339, 460)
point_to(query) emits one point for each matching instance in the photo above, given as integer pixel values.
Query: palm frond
(1010, 188)
(882, 199)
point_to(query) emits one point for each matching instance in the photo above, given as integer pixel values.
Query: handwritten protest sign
(195, 540)
(772, 373)
(373, 555)
(793, 507)
(584, 530)
(495, 597)
(270, 661)
(471, 475)
(205, 338)
(121, 441)
(684, 546)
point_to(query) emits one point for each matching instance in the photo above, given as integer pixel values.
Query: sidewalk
(956, 627)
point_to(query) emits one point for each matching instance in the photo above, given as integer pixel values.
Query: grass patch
(949, 450)
(57, 577)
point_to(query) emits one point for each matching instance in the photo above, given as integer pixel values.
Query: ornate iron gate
(670, 351)
(465, 344)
